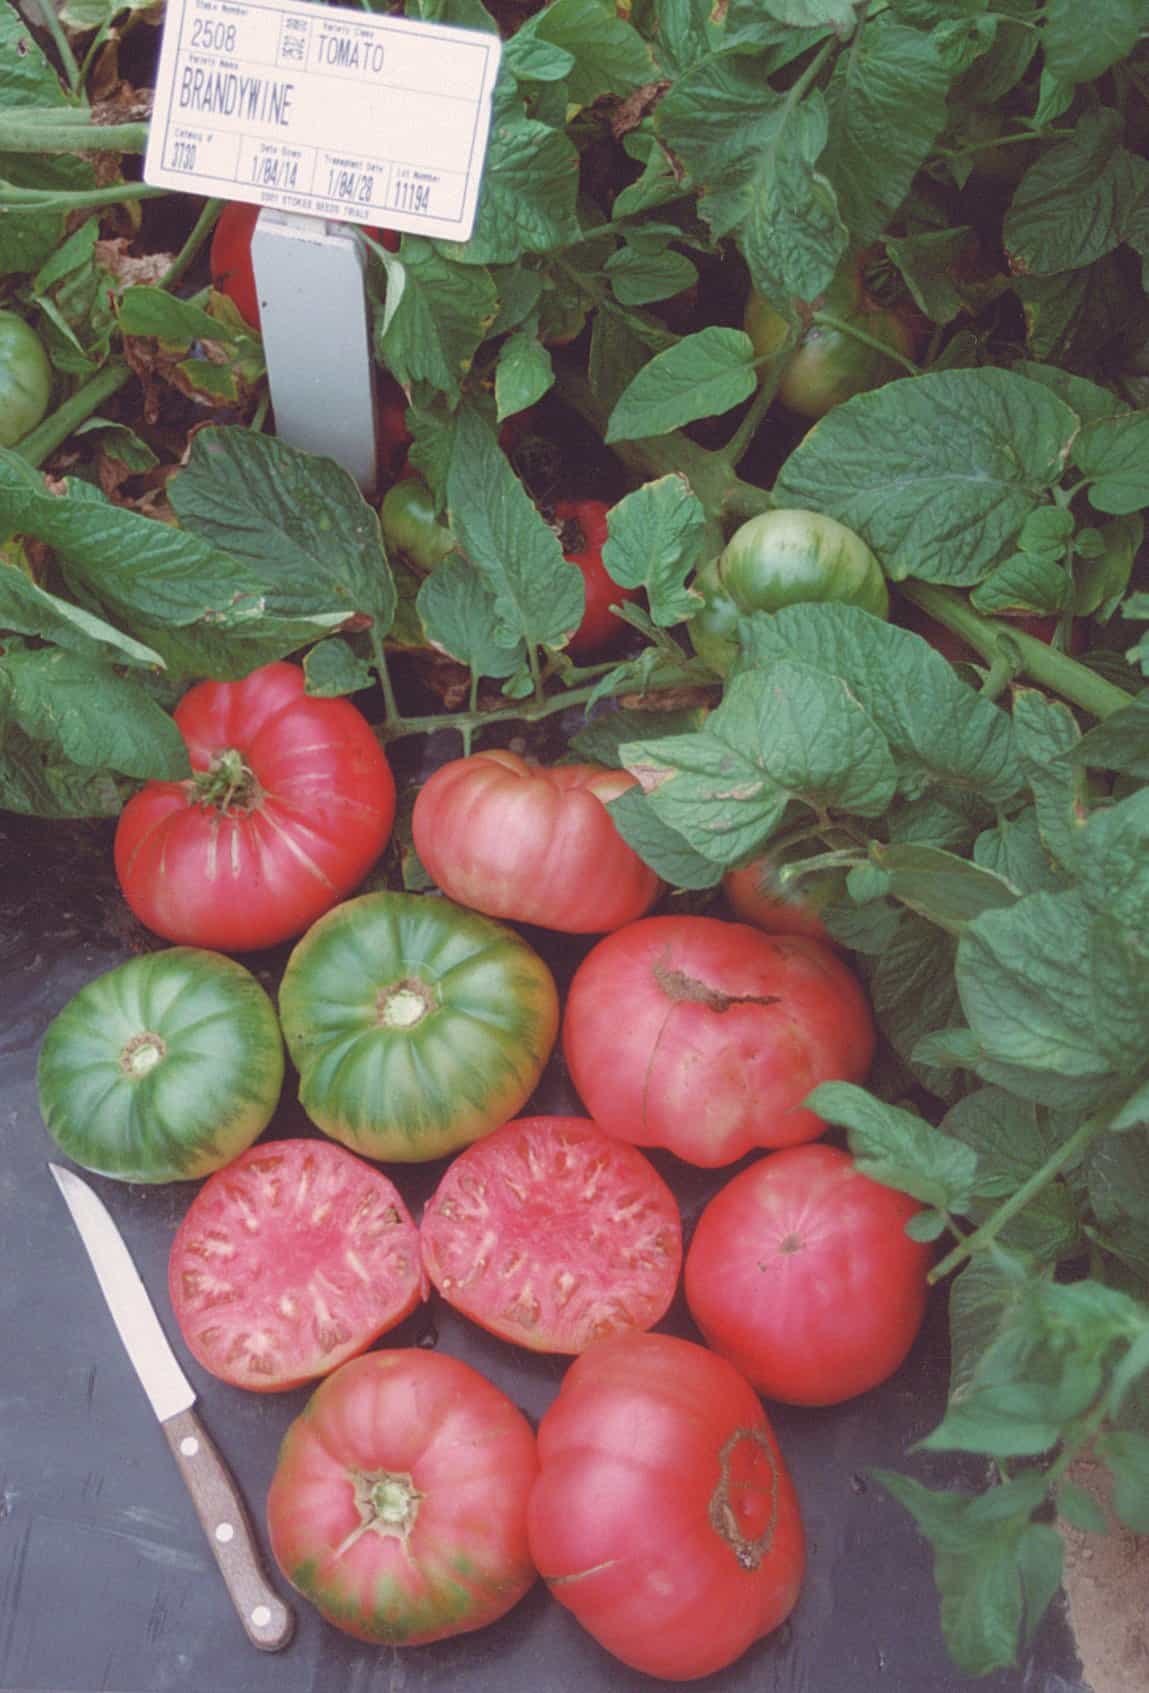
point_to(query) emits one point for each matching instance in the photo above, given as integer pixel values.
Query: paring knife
(266, 1619)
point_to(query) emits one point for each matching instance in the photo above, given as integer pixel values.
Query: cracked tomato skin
(531, 843)
(290, 1261)
(801, 1273)
(664, 1517)
(290, 803)
(552, 1234)
(398, 1505)
(705, 1037)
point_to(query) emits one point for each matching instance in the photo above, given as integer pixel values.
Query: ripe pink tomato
(664, 1516)
(757, 895)
(531, 843)
(801, 1273)
(553, 1234)
(289, 1261)
(584, 534)
(398, 1506)
(289, 804)
(705, 1037)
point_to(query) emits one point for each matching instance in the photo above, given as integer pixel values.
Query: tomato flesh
(801, 1273)
(552, 1234)
(664, 1516)
(705, 1037)
(399, 1500)
(290, 1261)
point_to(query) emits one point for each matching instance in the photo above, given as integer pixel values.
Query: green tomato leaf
(899, 1148)
(1086, 398)
(27, 78)
(1013, 1142)
(523, 374)
(793, 237)
(1076, 54)
(78, 706)
(1023, 582)
(1045, 730)
(938, 729)
(913, 994)
(927, 263)
(538, 596)
(1101, 579)
(457, 611)
(1120, 743)
(527, 203)
(333, 669)
(28, 609)
(938, 885)
(667, 853)
(1127, 1454)
(37, 781)
(1114, 455)
(979, 1297)
(703, 375)
(144, 310)
(657, 538)
(719, 119)
(887, 106)
(638, 275)
(297, 521)
(1077, 202)
(442, 317)
(608, 55)
(1013, 850)
(601, 740)
(966, 456)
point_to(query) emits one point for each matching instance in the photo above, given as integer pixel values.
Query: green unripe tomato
(828, 365)
(410, 526)
(25, 379)
(777, 559)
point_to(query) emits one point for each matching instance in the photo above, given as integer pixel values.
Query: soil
(1107, 1585)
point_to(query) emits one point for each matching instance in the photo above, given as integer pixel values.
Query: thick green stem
(1054, 1164)
(393, 723)
(69, 135)
(531, 711)
(203, 227)
(42, 441)
(34, 202)
(1057, 671)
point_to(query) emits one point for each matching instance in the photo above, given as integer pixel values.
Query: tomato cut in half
(290, 1261)
(551, 1234)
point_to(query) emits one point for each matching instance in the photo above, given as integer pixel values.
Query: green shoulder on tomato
(776, 559)
(25, 379)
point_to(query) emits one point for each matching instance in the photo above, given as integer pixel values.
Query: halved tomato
(552, 1234)
(290, 1261)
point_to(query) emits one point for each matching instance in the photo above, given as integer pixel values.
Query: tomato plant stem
(42, 441)
(48, 16)
(992, 1227)
(1054, 670)
(186, 254)
(532, 711)
(392, 720)
(71, 134)
(33, 201)
(827, 320)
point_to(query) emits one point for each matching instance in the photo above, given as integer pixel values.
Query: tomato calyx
(142, 1053)
(388, 1504)
(401, 1005)
(746, 1497)
(676, 984)
(229, 785)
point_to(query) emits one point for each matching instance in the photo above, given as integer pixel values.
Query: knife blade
(266, 1620)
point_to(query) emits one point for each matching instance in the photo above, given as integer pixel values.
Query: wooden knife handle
(267, 1621)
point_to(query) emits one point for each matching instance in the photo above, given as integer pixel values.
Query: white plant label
(324, 111)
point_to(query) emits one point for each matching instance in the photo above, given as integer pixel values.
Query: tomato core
(142, 1053)
(744, 1505)
(229, 785)
(404, 1005)
(387, 1503)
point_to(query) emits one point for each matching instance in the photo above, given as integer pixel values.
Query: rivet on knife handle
(267, 1620)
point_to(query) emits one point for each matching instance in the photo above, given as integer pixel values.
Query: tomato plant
(552, 1234)
(289, 804)
(801, 1272)
(535, 844)
(830, 364)
(232, 271)
(765, 893)
(411, 526)
(664, 1516)
(416, 1026)
(583, 532)
(777, 559)
(398, 1504)
(290, 1261)
(25, 378)
(162, 1069)
(705, 1037)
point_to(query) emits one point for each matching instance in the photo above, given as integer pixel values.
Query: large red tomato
(289, 1261)
(230, 263)
(705, 1037)
(759, 894)
(399, 1502)
(531, 843)
(553, 1234)
(664, 1516)
(290, 803)
(802, 1274)
(584, 525)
